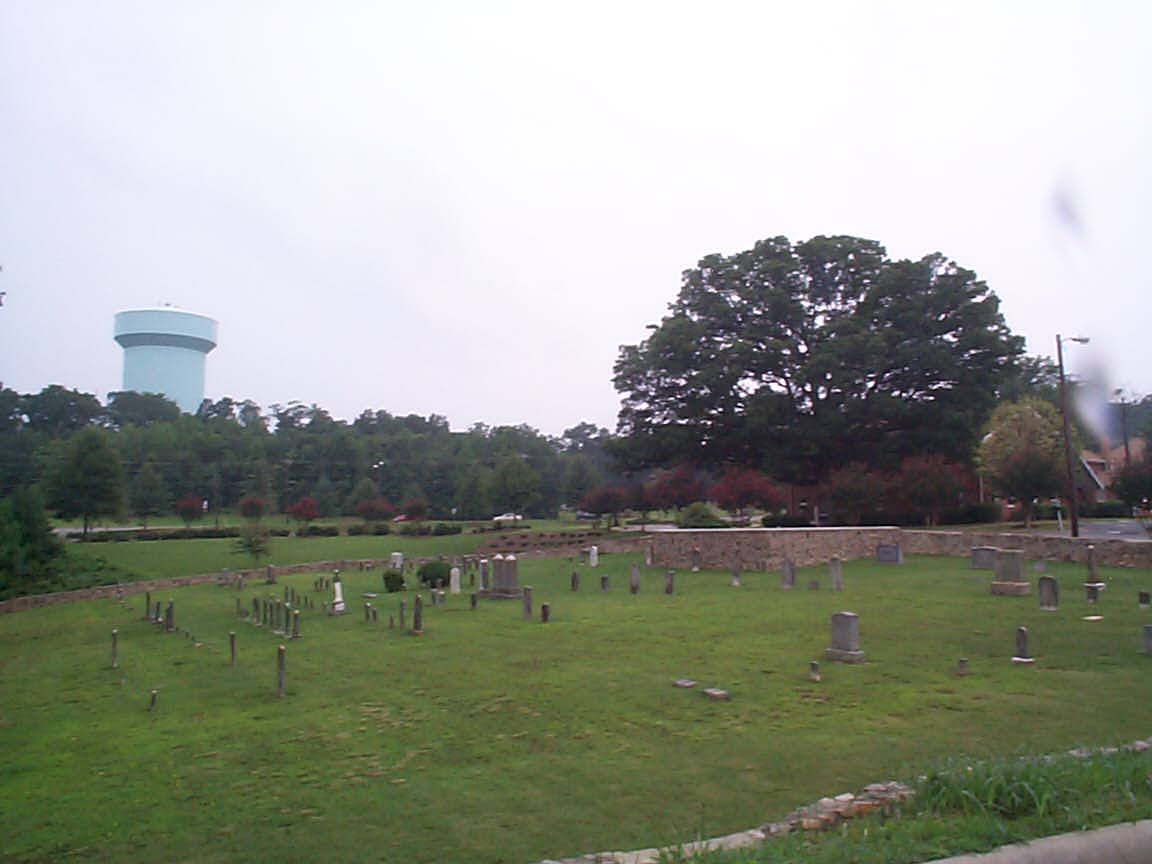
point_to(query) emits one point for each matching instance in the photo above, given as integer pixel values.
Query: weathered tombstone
(269, 575)
(526, 593)
(281, 671)
(697, 558)
(418, 615)
(736, 583)
(170, 616)
(574, 580)
(670, 582)
(1093, 576)
(545, 613)
(296, 622)
(485, 581)
(889, 553)
(593, 556)
(147, 605)
(1143, 598)
(337, 595)
(634, 580)
(402, 616)
(1010, 578)
(232, 648)
(814, 671)
(474, 600)
(1049, 590)
(396, 560)
(154, 700)
(984, 557)
(255, 616)
(962, 667)
(583, 556)
(845, 639)
(649, 555)
(1093, 592)
(1148, 638)
(1023, 655)
(836, 572)
(115, 649)
(367, 613)
(787, 574)
(454, 580)
(604, 582)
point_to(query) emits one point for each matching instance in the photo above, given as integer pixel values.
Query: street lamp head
(1080, 340)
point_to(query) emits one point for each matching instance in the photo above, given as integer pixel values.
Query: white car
(507, 517)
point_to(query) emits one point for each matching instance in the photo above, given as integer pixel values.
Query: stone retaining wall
(766, 548)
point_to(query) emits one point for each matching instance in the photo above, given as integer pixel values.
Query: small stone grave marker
(984, 557)
(787, 574)
(1023, 655)
(845, 639)
(684, 682)
(1049, 591)
(1009, 579)
(836, 572)
(634, 580)
(889, 553)
(1143, 599)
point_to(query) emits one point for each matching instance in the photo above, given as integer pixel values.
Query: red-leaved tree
(375, 509)
(190, 507)
(305, 510)
(252, 507)
(740, 488)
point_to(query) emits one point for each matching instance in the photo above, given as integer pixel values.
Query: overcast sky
(466, 208)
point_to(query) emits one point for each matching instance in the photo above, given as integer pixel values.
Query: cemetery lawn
(495, 739)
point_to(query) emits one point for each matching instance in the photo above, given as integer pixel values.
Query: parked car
(507, 517)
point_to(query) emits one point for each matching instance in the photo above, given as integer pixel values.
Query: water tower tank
(164, 352)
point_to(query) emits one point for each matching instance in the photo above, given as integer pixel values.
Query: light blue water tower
(164, 352)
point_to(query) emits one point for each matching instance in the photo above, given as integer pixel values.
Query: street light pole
(1069, 477)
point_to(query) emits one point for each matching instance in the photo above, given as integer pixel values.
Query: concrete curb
(1130, 843)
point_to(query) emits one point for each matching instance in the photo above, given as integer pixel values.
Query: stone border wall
(766, 548)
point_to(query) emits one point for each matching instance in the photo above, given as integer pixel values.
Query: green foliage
(432, 573)
(318, 531)
(393, 581)
(86, 478)
(190, 508)
(514, 485)
(29, 550)
(1133, 483)
(1022, 451)
(443, 529)
(855, 493)
(253, 542)
(811, 355)
(149, 494)
(699, 515)
(128, 408)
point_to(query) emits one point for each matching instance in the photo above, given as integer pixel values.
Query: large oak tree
(802, 358)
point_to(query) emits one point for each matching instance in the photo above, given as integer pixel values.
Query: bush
(432, 573)
(974, 513)
(699, 515)
(393, 581)
(1108, 510)
(415, 529)
(318, 531)
(785, 520)
(441, 529)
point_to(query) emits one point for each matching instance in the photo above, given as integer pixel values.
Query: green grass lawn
(494, 739)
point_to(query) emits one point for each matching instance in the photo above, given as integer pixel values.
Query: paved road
(1111, 529)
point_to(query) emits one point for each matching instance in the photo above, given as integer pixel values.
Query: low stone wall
(766, 548)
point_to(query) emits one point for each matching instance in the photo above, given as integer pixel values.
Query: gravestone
(604, 583)
(889, 553)
(696, 559)
(845, 646)
(1093, 592)
(736, 583)
(1010, 578)
(984, 557)
(787, 574)
(574, 580)
(1143, 599)
(485, 580)
(454, 580)
(649, 555)
(232, 648)
(418, 615)
(1023, 655)
(526, 593)
(115, 649)
(296, 622)
(474, 599)
(814, 671)
(281, 669)
(1148, 638)
(962, 666)
(593, 556)
(396, 560)
(402, 614)
(836, 572)
(670, 582)
(1049, 591)
(545, 613)
(337, 607)
(1093, 576)
(634, 580)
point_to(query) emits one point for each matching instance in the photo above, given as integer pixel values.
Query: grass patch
(495, 739)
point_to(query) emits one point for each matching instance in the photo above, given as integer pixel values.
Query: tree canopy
(803, 357)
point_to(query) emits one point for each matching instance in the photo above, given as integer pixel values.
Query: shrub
(431, 573)
(699, 515)
(319, 531)
(785, 520)
(1108, 510)
(356, 530)
(415, 529)
(974, 513)
(441, 529)
(393, 581)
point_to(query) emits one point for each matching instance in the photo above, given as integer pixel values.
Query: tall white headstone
(454, 580)
(594, 556)
(337, 596)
